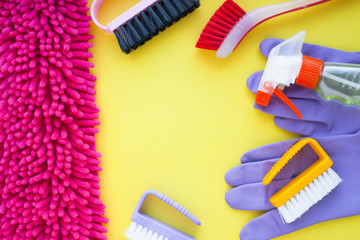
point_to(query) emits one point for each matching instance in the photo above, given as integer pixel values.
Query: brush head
(137, 231)
(220, 25)
(154, 19)
(309, 196)
(144, 227)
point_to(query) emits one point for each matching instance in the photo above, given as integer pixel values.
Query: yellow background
(176, 118)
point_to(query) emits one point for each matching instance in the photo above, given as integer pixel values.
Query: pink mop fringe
(49, 182)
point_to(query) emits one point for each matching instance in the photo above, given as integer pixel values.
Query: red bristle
(207, 47)
(226, 18)
(221, 22)
(211, 37)
(229, 7)
(210, 29)
(220, 25)
(230, 13)
(208, 43)
(237, 7)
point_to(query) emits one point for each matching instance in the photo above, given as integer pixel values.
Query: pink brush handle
(123, 18)
(94, 11)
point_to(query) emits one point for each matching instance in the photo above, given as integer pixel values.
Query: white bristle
(149, 235)
(309, 196)
(137, 231)
(154, 236)
(130, 230)
(306, 200)
(143, 233)
(301, 201)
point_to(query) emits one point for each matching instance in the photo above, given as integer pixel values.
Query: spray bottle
(286, 65)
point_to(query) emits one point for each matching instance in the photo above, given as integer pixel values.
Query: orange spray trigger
(279, 94)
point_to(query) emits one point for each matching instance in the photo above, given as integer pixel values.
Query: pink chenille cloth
(49, 167)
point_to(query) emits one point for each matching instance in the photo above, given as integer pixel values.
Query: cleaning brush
(308, 188)
(230, 23)
(144, 20)
(144, 227)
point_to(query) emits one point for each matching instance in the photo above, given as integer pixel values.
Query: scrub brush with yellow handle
(307, 188)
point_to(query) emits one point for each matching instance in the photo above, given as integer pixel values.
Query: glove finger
(268, 44)
(254, 172)
(270, 225)
(293, 91)
(253, 81)
(315, 112)
(254, 196)
(329, 54)
(267, 226)
(315, 51)
(296, 91)
(311, 110)
(306, 128)
(270, 151)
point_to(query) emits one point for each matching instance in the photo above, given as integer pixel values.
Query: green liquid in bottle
(341, 82)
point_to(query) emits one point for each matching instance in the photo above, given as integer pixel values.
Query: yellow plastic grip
(302, 180)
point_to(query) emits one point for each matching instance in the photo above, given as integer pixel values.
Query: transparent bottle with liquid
(287, 65)
(341, 82)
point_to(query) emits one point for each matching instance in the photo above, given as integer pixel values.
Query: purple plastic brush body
(158, 226)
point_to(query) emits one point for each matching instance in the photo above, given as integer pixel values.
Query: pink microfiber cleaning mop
(49, 182)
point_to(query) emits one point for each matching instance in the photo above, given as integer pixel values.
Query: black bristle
(188, 5)
(180, 7)
(134, 34)
(156, 20)
(141, 29)
(127, 36)
(136, 42)
(171, 10)
(121, 42)
(196, 3)
(166, 16)
(149, 24)
(153, 19)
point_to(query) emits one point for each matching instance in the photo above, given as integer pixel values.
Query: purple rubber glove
(320, 117)
(250, 194)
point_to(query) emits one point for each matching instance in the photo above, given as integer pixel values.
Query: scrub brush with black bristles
(144, 20)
